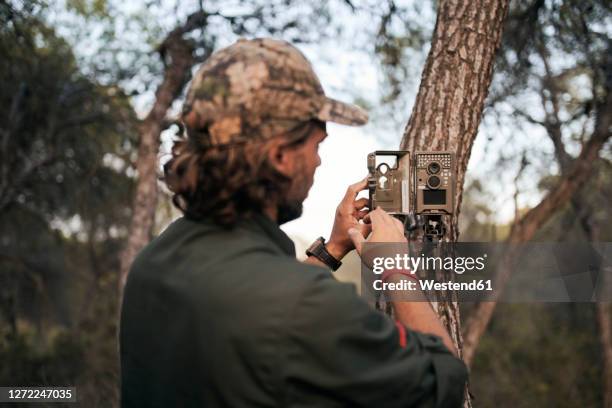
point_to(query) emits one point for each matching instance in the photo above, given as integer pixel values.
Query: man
(217, 310)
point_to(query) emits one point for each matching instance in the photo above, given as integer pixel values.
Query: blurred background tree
(553, 82)
(555, 74)
(64, 203)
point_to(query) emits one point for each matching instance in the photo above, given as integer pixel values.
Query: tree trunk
(584, 212)
(179, 58)
(604, 319)
(450, 101)
(603, 314)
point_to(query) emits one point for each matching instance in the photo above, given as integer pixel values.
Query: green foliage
(65, 153)
(545, 355)
(68, 136)
(88, 8)
(56, 125)
(26, 362)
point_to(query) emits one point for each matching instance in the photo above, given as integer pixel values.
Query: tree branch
(178, 56)
(531, 221)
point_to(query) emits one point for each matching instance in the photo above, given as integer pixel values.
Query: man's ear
(280, 157)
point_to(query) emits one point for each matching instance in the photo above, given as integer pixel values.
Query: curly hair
(227, 182)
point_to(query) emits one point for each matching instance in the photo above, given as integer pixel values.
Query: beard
(289, 211)
(291, 205)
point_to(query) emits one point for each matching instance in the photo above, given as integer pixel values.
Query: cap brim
(333, 110)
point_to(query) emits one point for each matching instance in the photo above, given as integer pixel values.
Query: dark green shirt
(229, 318)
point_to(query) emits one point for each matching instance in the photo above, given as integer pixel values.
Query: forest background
(80, 79)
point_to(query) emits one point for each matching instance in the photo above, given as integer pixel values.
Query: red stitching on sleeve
(402, 333)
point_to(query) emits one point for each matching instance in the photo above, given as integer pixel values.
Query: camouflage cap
(259, 88)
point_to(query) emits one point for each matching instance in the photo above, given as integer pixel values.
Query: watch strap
(318, 250)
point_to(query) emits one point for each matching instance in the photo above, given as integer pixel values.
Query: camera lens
(433, 181)
(433, 168)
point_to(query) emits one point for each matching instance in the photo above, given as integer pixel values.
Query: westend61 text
(430, 284)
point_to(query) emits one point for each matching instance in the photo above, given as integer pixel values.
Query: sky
(344, 152)
(346, 72)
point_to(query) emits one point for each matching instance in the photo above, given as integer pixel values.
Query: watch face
(315, 246)
(317, 249)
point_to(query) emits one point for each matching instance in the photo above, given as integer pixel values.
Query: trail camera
(389, 181)
(434, 182)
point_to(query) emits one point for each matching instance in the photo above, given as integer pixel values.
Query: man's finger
(383, 218)
(376, 218)
(361, 214)
(374, 214)
(359, 204)
(366, 229)
(398, 224)
(354, 189)
(357, 238)
(393, 222)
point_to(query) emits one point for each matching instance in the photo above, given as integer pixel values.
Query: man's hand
(385, 228)
(418, 316)
(348, 213)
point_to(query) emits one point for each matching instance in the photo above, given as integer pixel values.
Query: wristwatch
(318, 250)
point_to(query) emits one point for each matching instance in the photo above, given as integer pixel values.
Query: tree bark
(179, 58)
(450, 101)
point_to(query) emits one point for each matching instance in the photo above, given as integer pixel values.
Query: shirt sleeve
(342, 352)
